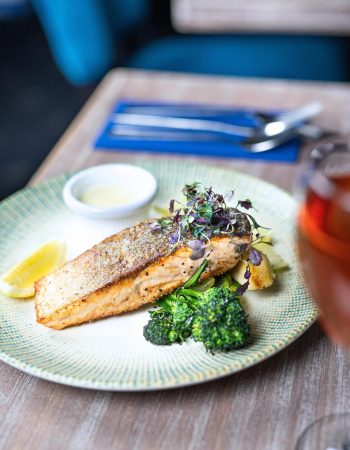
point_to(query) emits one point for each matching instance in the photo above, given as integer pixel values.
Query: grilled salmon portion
(126, 271)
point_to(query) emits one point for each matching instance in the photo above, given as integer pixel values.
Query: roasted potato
(261, 277)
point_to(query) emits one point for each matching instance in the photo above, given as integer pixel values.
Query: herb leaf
(246, 204)
(205, 214)
(255, 256)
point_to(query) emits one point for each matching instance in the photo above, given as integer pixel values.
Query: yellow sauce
(106, 195)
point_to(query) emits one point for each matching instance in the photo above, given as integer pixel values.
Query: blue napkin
(287, 152)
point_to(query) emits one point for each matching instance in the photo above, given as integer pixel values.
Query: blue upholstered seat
(293, 57)
(85, 38)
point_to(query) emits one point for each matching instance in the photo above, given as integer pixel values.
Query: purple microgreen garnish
(255, 256)
(209, 233)
(171, 206)
(243, 287)
(177, 217)
(201, 220)
(174, 237)
(241, 247)
(197, 254)
(246, 204)
(241, 290)
(155, 227)
(205, 214)
(195, 244)
(198, 248)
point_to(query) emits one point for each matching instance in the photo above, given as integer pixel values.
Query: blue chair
(291, 57)
(86, 36)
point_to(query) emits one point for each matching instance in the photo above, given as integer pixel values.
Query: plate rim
(84, 384)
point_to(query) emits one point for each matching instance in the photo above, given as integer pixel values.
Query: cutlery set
(203, 124)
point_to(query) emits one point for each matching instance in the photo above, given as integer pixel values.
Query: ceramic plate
(112, 354)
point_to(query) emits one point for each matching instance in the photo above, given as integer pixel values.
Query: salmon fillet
(125, 271)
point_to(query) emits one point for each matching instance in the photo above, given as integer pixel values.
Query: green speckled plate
(112, 354)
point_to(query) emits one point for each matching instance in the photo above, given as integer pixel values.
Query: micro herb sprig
(205, 214)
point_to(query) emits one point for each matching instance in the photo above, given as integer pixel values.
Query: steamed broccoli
(220, 322)
(172, 321)
(214, 317)
(159, 330)
(226, 281)
(169, 324)
(180, 311)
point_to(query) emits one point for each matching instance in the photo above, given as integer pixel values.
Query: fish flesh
(127, 270)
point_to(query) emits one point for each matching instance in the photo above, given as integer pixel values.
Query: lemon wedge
(19, 281)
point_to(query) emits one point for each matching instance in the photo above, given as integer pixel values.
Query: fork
(312, 132)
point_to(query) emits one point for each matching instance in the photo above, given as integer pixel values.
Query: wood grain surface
(265, 407)
(292, 16)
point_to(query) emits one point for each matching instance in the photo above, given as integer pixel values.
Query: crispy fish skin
(124, 272)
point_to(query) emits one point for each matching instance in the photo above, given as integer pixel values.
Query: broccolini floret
(220, 322)
(226, 281)
(159, 330)
(214, 317)
(172, 320)
(163, 330)
(180, 310)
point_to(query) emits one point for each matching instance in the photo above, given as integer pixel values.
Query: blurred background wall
(54, 52)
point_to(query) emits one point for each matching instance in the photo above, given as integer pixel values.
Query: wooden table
(264, 407)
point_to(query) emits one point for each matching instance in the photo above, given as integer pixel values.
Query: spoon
(284, 122)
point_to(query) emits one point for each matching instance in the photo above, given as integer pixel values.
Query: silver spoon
(313, 132)
(286, 121)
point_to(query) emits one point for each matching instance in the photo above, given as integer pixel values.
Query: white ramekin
(123, 175)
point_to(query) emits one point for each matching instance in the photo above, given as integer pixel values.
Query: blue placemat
(287, 152)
